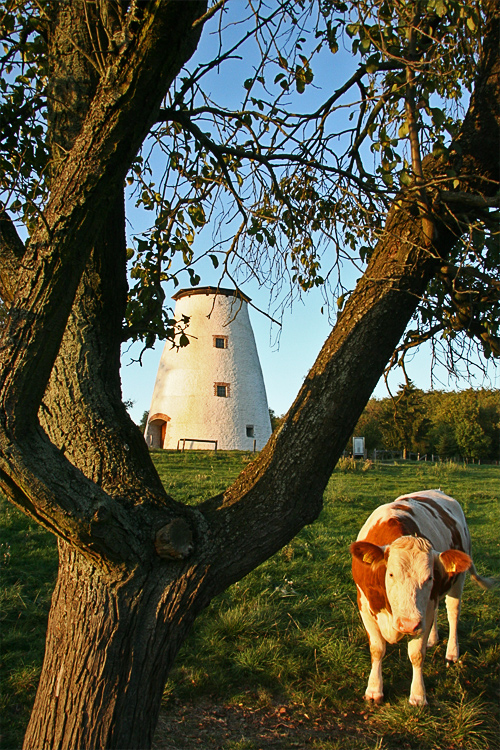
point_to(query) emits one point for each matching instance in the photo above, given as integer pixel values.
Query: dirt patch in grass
(215, 726)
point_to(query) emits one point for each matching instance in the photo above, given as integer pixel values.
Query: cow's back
(429, 514)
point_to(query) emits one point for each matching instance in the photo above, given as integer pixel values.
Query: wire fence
(402, 455)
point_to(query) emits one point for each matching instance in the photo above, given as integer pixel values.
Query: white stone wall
(185, 388)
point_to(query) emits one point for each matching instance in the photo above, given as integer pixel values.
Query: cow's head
(411, 569)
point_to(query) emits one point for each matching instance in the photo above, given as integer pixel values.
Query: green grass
(194, 476)
(289, 632)
(28, 568)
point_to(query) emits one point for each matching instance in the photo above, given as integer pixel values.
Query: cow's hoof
(450, 662)
(418, 701)
(377, 698)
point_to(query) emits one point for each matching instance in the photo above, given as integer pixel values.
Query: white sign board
(358, 446)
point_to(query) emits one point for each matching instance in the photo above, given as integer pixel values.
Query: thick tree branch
(11, 253)
(469, 201)
(320, 421)
(83, 399)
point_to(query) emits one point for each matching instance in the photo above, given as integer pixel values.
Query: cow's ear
(455, 561)
(366, 552)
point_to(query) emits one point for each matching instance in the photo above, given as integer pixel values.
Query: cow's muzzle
(409, 626)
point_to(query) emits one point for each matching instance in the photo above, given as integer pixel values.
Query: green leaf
(438, 116)
(440, 8)
(471, 23)
(372, 67)
(194, 279)
(197, 214)
(403, 130)
(405, 178)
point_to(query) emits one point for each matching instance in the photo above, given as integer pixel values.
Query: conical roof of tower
(211, 290)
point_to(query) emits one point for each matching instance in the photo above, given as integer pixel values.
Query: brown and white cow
(408, 555)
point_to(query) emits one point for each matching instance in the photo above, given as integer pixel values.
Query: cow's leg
(453, 604)
(416, 652)
(434, 635)
(375, 687)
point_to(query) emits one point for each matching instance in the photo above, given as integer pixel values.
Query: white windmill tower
(213, 389)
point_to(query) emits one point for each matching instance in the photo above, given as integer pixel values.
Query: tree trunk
(112, 637)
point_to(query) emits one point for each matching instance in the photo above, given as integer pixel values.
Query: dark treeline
(463, 424)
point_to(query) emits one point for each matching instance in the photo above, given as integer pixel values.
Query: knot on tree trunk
(175, 540)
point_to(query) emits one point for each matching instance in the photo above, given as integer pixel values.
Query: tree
(275, 419)
(471, 439)
(403, 419)
(489, 419)
(84, 84)
(443, 441)
(144, 421)
(466, 424)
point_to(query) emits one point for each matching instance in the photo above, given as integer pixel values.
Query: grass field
(281, 659)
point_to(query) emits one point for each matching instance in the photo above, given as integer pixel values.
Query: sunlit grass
(291, 628)
(290, 631)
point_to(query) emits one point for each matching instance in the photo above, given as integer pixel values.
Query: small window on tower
(220, 342)
(221, 389)
(250, 430)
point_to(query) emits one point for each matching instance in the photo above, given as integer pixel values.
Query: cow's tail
(484, 583)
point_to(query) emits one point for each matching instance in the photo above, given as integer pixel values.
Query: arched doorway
(157, 430)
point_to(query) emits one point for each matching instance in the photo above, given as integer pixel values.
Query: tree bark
(112, 636)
